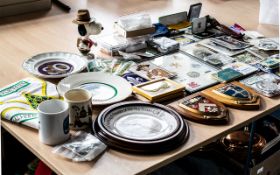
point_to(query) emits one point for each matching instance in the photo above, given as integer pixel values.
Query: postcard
(241, 67)
(151, 71)
(270, 63)
(194, 75)
(198, 51)
(183, 40)
(226, 75)
(230, 43)
(248, 58)
(133, 79)
(252, 35)
(207, 55)
(210, 44)
(259, 53)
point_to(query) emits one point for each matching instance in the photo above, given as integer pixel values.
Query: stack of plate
(140, 127)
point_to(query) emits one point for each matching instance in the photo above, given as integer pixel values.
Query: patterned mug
(80, 108)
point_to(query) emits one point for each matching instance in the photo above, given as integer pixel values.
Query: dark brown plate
(163, 144)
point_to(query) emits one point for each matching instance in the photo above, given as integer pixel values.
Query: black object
(151, 146)
(62, 5)
(82, 30)
(203, 35)
(194, 11)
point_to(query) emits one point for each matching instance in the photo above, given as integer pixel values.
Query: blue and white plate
(54, 64)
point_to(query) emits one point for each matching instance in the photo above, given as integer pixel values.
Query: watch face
(201, 104)
(234, 91)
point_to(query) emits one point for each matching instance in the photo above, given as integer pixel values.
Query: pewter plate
(105, 88)
(54, 64)
(141, 122)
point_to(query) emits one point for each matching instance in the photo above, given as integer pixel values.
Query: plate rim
(24, 65)
(88, 75)
(181, 123)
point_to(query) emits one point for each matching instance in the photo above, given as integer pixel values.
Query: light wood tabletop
(30, 34)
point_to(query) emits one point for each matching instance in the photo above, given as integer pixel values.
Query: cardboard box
(134, 33)
(268, 166)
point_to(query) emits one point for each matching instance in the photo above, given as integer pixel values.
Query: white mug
(53, 122)
(80, 108)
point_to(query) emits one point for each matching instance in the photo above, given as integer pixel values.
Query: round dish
(181, 127)
(236, 143)
(54, 64)
(105, 127)
(140, 121)
(106, 88)
(140, 148)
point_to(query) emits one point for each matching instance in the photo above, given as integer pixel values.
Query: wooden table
(24, 36)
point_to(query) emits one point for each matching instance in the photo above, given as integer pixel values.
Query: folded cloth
(19, 100)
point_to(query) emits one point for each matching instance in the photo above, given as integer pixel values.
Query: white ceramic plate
(106, 88)
(141, 122)
(54, 64)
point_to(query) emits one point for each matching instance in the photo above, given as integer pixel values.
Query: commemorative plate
(54, 64)
(141, 122)
(106, 88)
(140, 127)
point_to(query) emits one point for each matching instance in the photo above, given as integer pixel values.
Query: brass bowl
(236, 143)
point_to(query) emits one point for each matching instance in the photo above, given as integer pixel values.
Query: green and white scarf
(19, 100)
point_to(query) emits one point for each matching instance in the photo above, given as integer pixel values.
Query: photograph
(159, 88)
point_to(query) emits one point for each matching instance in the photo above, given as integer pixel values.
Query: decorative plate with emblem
(54, 64)
(140, 127)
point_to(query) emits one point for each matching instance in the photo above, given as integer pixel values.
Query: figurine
(86, 27)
